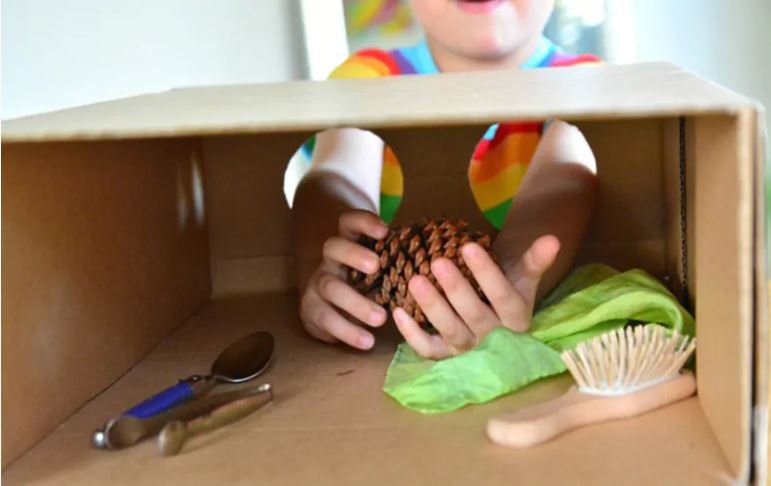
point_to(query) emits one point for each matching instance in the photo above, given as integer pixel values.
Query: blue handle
(163, 401)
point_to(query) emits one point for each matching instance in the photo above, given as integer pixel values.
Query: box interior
(111, 242)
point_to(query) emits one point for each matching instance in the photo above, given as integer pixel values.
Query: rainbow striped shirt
(501, 158)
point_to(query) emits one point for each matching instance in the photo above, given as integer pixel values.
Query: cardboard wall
(249, 218)
(104, 252)
(249, 223)
(723, 200)
(628, 229)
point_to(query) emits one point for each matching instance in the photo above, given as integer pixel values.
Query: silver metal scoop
(174, 434)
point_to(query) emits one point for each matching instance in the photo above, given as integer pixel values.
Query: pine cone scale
(409, 250)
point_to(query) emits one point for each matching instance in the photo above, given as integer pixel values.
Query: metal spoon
(242, 361)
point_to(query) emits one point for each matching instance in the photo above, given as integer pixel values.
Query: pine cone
(409, 250)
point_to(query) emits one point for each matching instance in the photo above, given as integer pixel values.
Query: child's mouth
(478, 6)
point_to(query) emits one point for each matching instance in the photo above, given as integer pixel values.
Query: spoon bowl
(245, 359)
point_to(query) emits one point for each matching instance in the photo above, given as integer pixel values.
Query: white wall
(727, 41)
(61, 53)
(326, 43)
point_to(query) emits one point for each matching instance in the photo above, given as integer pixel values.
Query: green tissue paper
(594, 299)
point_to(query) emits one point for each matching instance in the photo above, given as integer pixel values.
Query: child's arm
(335, 203)
(556, 199)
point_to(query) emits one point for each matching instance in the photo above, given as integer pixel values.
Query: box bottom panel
(330, 423)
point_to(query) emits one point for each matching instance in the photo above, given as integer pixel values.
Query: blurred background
(61, 53)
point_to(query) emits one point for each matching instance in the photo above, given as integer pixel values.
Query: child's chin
(486, 48)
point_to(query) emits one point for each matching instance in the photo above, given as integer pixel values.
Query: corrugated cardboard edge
(595, 92)
(747, 146)
(760, 430)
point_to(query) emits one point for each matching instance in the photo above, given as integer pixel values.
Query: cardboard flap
(762, 288)
(725, 280)
(582, 92)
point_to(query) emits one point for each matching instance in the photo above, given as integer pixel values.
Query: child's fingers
(338, 251)
(426, 345)
(452, 329)
(319, 334)
(340, 294)
(324, 317)
(533, 264)
(308, 303)
(352, 224)
(464, 299)
(507, 303)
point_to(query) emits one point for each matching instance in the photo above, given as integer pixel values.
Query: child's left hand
(462, 318)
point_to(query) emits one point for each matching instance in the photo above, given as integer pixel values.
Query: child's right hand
(328, 302)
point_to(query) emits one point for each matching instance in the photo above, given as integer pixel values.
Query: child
(540, 229)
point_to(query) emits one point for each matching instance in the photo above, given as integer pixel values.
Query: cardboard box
(141, 236)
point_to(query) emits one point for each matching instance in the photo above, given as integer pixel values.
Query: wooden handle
(575, 409)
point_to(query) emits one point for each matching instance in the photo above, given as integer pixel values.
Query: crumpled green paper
(592, 300)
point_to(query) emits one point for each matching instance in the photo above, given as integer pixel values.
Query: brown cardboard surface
(98, 275)
(102, 258)
(655, 89)
(249, 217)
(331, 424)
(628, 224)
(248, 213)
(435, 167)
(724, 302)
(238, 276)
